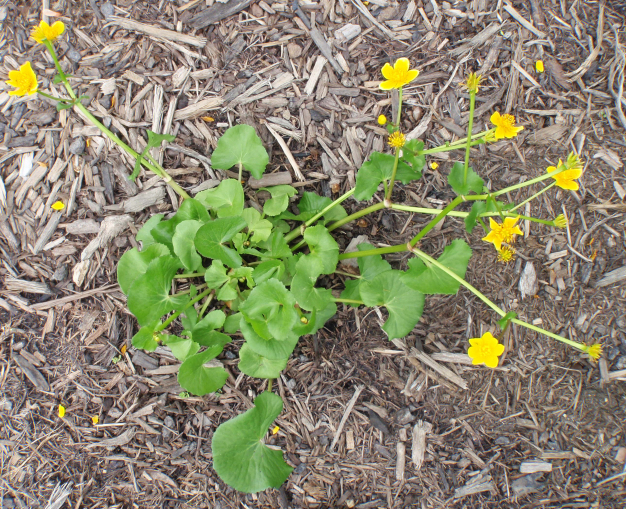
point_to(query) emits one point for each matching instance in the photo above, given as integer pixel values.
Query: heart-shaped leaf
(429, 279)
(269, 348)
(279, 201)
(184, 248)
(455, 179)
(134, 263)
(303, 288)
(267, 270)
(378, 169)
(240, 458)
(275, 246)
(257, 366)
(163, 232)
(211, 237)
(144, 235)
(259, 228)
(240, 144)
(411, 154)
(404, 304)
(226, 199)
(370, 267)
(270, 310)
(312, 204)
(182, 348)
(146, 337)
(149, 296)
(324, 252)
(198, 379)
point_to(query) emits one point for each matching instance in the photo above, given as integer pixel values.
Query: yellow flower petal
(24, 81)
(388, 71)
(539, 66)
(61, 411)
(402, 65)
(95, 419)
(45, 32)
(398, 75)
(58, 205)
(485, 350)
(382, 119)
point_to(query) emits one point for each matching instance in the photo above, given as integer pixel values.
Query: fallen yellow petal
(275, 430)
(95, 419)
(58, 205)
(61, 411)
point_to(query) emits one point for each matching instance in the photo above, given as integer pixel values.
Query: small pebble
(74, 55)
(107, 9)
(230, 355)
(77, 147)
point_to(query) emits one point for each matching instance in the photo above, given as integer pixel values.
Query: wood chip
(612, 277)
(160, 33)
(346, 414)
(121, 439)
(533, 466)
(434, 365)
(420, 430)
(32, 373)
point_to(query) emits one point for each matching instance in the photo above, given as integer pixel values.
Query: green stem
(454, 276)
(49, 46)
(534, 196)
(349, 301)
(356, 215)
(296, 232)
(469, 135)
(58, 99)
(397, 157)
(529, 182)
(269, 384)
(185, 292)
(205, 306)
(240, 171)
(456, 145)
(424, 256)
(370, 252)
(190, 303)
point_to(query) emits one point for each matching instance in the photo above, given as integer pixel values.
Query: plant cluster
(221, 269)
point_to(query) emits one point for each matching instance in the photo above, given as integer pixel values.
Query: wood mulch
(367, 423)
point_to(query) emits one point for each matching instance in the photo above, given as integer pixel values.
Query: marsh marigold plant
(44, 32)
(24, 81)
(399, 75)
(505, 126)
(485, 350)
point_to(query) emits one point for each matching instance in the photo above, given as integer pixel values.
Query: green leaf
(204, 332)
(378, 169)
(240, 458)
(63, 105)
(270, 310)
(182, 348)
(58, 78)
(155, 139)
(269, 348)
(144, 235)
(183, 244)
(429, 279)
(228, 292)
(232, 323)
(198, 379)
(503, 322)
(226, 199)
(312, 204)
(276, 246)
(260, 228)
(163, 232)
(211, 238)
(134, 263)
(240, 145)
(351, 291)
(257, 366)
(404, 304)
(324, 252)
(279, 201)
(303, 288)
(145, 338)
(149, 296)
(480, 207)
(370, 267)
(455, 179)
(267, 270)
(215, 276)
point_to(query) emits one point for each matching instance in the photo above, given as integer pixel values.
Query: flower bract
(505, 125)
(504, 232)
(567, 178)
(398, 75)
(24, 80)
(382, 119)
(485, 350)
(45, 32)
(473, 80)
(560, 221)
(397, 139)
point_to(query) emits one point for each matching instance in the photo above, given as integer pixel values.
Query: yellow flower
(473, 80)
(539, 65)
(504, 232)
(24, 80)
(594, 351)
(434, 165)
(58, 205)
(506, 254)
(61, 411)
(485, 350)
(46, 32)
(567, 178)
(560, 221)
(382, 119)
(397, 139)
(505, 126)
(398, 75)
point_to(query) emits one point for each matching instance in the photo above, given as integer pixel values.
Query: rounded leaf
(240, 144)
